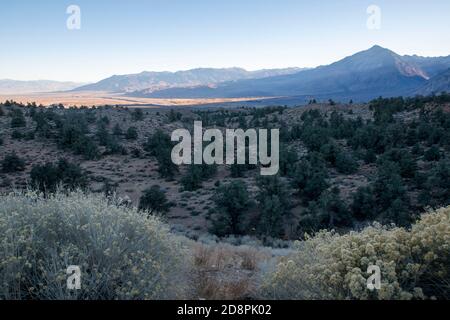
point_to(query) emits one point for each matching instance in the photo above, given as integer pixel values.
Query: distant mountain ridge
(148, 81)
(362, 76)
(8, 86)
(437, 84)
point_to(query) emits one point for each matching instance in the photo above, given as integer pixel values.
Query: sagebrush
(414, 263)
(121, 253)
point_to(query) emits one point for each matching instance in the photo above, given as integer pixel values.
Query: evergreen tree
(154, 200)
(12, 163)
(232, 204)
(273, 199)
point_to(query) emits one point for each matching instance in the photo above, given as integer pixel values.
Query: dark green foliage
(86, 147)
(157, 142)
(131, 133)
(417, 150)
(391, 194)
(309, 177)
(72, 135)
(12, 163)
(196, 174)
(17, 119)
(154, 200)
(232, 204)
(117, 130)
(29, 136)
(137, 114)
(136, 152)
(274, 204)
(166, 168)
(103, 135)
(370, 156)
(364, 204)
(49, 176)
(174, 116)
(328, 212)
(109, 141)
(159, 145)
(406, 163)
(345, 163)
(104, 121)
(16, 135)
(432, 154)
(239, 170)
(436, 191)
(288, 159)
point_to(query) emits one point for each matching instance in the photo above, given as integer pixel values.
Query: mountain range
(147, 82)
(365, 75)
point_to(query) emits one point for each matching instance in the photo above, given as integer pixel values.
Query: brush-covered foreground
(123, 254)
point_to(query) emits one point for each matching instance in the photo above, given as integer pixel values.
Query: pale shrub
(414, 263)
(122, 254)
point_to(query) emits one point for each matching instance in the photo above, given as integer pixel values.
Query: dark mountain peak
(376, 52)
(377, 48)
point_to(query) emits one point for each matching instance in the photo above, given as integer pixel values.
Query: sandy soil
(98, 98)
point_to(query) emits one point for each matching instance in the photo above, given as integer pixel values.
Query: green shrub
(18, 120)
(49, 176)
(232, 204)
(16, 135)
(12, 163)
(274, 204)
(345, 163)
(196, 174)
(414, 263)
(121, 254)
(432, 154)
(29, 135)
(137, 115)
(154, 200)
(131, 133)
(160, 146)
(117, 130)
(73, 137)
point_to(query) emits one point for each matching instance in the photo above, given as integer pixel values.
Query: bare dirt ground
(98, 98)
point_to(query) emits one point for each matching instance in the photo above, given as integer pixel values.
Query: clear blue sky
(131, 36)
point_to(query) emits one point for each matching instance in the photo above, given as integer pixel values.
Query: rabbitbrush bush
(414, 263)
(121, 254)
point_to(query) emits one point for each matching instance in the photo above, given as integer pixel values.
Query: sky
(121, 37)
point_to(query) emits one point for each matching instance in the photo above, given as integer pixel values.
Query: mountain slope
(147, 82)
(19, 87)
(365, 75)
(437, 84)
(432, 66)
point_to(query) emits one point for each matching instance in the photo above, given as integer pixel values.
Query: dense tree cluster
(48, 177)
